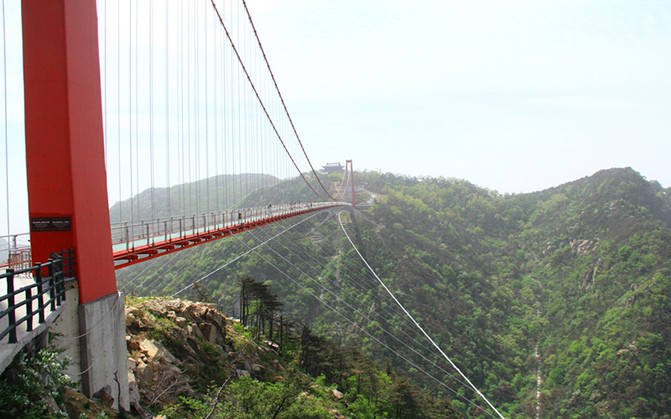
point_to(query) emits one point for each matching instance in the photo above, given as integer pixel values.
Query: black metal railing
(44, 295)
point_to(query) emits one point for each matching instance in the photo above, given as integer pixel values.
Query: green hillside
(569, 285)
(215, 193)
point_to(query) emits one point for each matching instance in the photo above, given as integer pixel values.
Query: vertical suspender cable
(181, 105)
(118, 98)
(225, 91)
(167, 107)
(4, 77)
(241, 109)
(188, 104)
(282, 100)
(259, 147)
(151, 105)
(233, 116)
(196, 84)
(258, 97)
(252, 122)
(207, 127)
(216, 124)
(248, 111)
(137, 109)
(104, 66)
(130, 110)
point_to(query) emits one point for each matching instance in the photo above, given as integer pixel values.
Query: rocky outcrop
(168, 344)
(179, 347)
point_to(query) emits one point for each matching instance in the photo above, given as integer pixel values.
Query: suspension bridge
(169, 109)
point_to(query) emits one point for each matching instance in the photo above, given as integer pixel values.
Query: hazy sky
(515, 96)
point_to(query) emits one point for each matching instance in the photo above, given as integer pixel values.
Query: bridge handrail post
(28, 303)
(172, 227)
(71, 265)
(11, 315)
(59, 281)
(40, 294)
(52, 286)
(126, 239)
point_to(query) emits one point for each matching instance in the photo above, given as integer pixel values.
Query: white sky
(515, 96)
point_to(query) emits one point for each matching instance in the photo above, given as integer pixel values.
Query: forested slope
(570, 284)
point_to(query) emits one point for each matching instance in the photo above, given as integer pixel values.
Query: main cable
(277, 88)
(258, 97)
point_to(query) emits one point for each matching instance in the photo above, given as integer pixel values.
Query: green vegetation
(579, 272)
(34, 386)
(229, 370)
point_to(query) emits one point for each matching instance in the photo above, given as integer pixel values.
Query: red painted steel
(64, 138)
(162, 247)
(348, 163)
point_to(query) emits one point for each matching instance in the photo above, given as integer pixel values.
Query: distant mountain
(216, 193)
(568, 287)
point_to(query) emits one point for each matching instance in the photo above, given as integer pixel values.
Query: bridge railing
(33, 292)
(145, 232)
(15, 251)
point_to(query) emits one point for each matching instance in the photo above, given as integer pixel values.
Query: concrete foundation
(103, 353)
(65, 332)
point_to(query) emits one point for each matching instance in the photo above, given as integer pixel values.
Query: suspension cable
(258, 97)
(277, 88)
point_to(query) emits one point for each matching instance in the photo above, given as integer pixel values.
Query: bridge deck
(138, 242)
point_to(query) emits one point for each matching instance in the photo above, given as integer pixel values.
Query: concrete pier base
(103, 355)
(65, 330)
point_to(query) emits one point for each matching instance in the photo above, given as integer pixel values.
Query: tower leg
(67, 185)
(348, 163)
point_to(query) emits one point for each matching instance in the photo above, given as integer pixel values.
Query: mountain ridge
(564, 281)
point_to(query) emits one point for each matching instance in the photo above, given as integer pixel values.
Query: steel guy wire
(363, 330)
